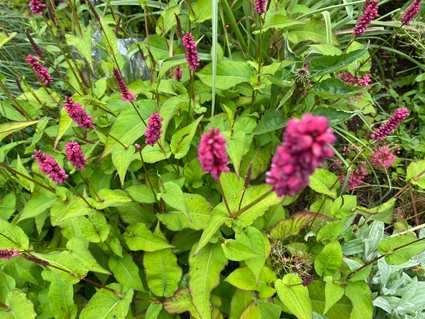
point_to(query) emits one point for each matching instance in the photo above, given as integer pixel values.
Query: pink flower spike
(411, 12)
(153, 130)
(37, 7)
(260, 6)
(41, 71)
(191, 53)
(178, 74)
(6, 254)
(399, 116)
(212, 153)
(50, 167)
(383, 157)
(368, 15)
(78, 114)
(75, 155)
(126, 94)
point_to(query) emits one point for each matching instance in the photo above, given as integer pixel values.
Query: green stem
(255, 202)
(94, 190)
(224, 198)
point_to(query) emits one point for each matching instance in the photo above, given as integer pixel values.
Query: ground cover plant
(212, 159)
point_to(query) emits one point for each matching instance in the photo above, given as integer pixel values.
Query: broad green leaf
(180, 142)
(109, 39)
(268, 310)
(9, 112)
(260, 158)
(330, 231)
(413, 170)
(231, 184)
(135, 213)
(322, 180)
(243, 278)
(279, 21)
(107, 305)
(314, 31)
(64, 124)
(229, 74)
(342, 205)
(336, 89)
(61, 299)
(201, 11)
(204, 274)
(29, 185)
(167, 20)
(18, 239)
(67, 262)
(271, 121)
(295, 298)
(236, 251)
(20, 306)
(235, 148)
(122, 158)
(294, 224)
(9, 127)
(162, 272)
(141, 193)
(7, 284)
(78, 208)
(153, 310)
(240, 301)
(218, 217)
(155, 154)
(111, 198)
(333, 293)
(8, 205)
(361, 297)
(126, 272)
(252, 311)
(78, 250)
(173, 196)
(327, 64)
(94, 227)
(83, 45)
(329, 260)
(158, 47)
(193, 173)
(180, 303)
(402, 255)
(141, 238)
(4, 38)
(273, 215)
(128, 126)
(362, 274)
(38, 204)
(199, 211)
(383, 212)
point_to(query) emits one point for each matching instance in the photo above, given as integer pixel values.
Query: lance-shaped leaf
(237, 251)
(243, 278)
(37, 205)
(76, 209)
(20, 306)
(7, 284)
(141, 238)
(14, 236)
(10, 127)
(333, 293)
(204, 274)
(294, 296)
(383, 212)
(180, 303)
(268, 310)
(112, 198)
(64, 124)
(4, 38)
(180, 142)
(141, 193)
(122, 158)
(402, 255)
(83, 45)
(173, 196)
(61, 299)
(329, 260)
(109, 38)
(105, 304)
(240, 301)
(361, 297)
(126, 272)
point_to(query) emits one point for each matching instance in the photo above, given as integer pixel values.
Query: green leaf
(278, 21)
(141, 193)
(111, 198)
(322, 180)
(162, 272)
(168, 110)
(135, 213)
(61, 299)
(252, 311)
(271, 121)
(64, 124)
(204, 274)
(361, 297)
(268, 310)
(94, 227)
(193, 173)
(362, 274)
(7, 284)
(122, 158)
(83, 45)
(315, 31)
(167, 20)
(8, 205)
(78, 250)
(273, 215)
(333, 293)
(78, 208)
(20, 306)
(336, 89)
(107, 305)
(153, 310)
(180, 142)
(342, 205)
(401, 255)
(240, 301)
(173, 196)
(9, 127)
(199, 211)
(141, 238)
(181, 302)
(330, 231)
(126, 272)
(413, 170)
(109, 39)
(236, 251)
(294, 224)
(37, 205)
(155, 154)
(201, 11)
(260, 158)
(128, 126)
(243, 278)
(231, 184)
(295, 298)
(18, 239)
(29, 185)
(4, 38)
(383, 212)
(329, 260)
(235, 148)
(327, 64)
(229, 74)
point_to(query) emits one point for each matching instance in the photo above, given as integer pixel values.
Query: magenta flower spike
(41, 71)
(49, 167)
(78, 114)
(36, 48)
(212, 153)
(411, 12)
(125, 92)
(75, 155)
(153, 130)
(37, 7)
(305, 145)
(368, 15)
(191, 53)
(178, 74)
(260, 6)
(399, 116)
(7, 254)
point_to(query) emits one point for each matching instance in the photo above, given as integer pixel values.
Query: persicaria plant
(204, 159)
